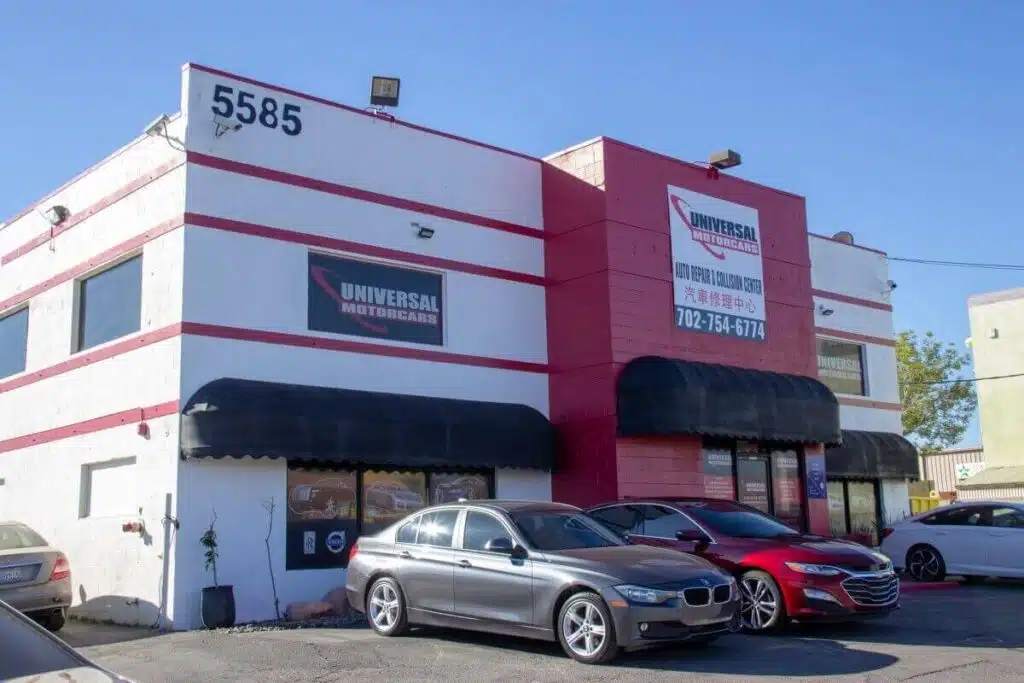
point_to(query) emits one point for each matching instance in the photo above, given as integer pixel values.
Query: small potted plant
(217, 604)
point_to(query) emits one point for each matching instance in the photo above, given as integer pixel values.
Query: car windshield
(736, 521)
(555, 530)
(19, 536)
(29, 651)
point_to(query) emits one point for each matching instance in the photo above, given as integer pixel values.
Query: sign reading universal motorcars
(368, 299)
(716, 260)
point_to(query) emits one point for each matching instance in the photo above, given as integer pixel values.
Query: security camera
(892, 285)
(825, 310)
(158, 126)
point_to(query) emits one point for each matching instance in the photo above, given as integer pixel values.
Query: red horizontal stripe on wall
(354, 110)
(355, 193)
(95, 262)
(312, 342)
(332, 243)
(856, 301)
(97, 424)
(91, 210)
(90, 357)
(854, 336)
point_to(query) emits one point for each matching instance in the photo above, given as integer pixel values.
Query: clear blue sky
(900, 122)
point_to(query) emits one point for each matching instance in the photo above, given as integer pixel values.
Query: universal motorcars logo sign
(718, 281)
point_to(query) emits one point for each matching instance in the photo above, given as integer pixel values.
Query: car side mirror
(500, 545)
(693, 536)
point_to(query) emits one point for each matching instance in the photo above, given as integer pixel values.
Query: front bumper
(843, 598)
(38, 599)
(640, 626)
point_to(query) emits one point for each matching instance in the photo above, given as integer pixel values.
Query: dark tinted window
(407, 534)
(564, 531)
(29, 651)
(480, 528)
(18, 536)
(13, 342)
(663, 522)
(964, 516)
(1008, 518)
(734, 520)
(437, 528)
(624, 519)
(110, 304)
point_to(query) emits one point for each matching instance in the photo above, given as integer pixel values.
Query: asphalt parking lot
(961, 634)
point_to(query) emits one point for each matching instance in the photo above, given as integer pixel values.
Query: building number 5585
(243, 107)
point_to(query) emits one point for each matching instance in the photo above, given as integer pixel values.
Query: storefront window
(716, 461)
(389, 496)
(325, 515)
(321, 518)
(786, 488)
(837, 508)
(863, 508)
(752, 481)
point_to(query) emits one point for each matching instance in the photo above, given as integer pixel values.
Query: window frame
(80, 312)
(8, 314)
(461, 536)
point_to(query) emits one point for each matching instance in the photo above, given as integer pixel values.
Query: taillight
(61, 569)
(353, 550)
(886, 532)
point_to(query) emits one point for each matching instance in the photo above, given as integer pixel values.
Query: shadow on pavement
(982, 616)
(86, 634)
(737, 655)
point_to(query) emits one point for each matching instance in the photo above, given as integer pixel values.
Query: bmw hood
(636, 564)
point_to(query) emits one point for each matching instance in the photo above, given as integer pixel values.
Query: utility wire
(960, 264)
(962, 381)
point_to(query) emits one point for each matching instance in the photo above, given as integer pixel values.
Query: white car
(970, 539)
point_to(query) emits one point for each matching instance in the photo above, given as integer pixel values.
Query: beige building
(997, 340)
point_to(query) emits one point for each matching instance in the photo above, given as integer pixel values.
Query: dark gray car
(539, 570)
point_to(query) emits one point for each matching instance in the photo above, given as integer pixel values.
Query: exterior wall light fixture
(423, 232)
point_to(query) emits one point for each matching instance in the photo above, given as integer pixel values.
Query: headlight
(815, 569)
(647, 596)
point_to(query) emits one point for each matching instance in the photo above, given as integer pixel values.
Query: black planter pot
(218, 606)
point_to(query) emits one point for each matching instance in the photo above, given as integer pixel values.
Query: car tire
(385, 608)
(763, 608)
(55, 622)
(925, 564)
(582, 618)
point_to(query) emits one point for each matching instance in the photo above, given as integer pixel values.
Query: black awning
(663, 396)
(872, 455)
(239, 417)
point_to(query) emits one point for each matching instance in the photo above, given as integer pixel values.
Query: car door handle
(941, 533)
(465, 563)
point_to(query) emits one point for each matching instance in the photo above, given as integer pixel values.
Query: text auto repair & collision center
(300, 321)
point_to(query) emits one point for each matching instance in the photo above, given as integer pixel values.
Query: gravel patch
(354, 620)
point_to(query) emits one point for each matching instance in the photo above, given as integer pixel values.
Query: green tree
(937, 406)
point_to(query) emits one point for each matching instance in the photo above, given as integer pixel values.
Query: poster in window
(390, 496)
(718, 473)
(786, 483)
(321, 518)
(841, 366)
(449, 488)
(752, 482)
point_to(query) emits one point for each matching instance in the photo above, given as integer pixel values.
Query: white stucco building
(172, 311)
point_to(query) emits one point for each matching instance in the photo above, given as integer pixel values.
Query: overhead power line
(962, 381)
(960, 264)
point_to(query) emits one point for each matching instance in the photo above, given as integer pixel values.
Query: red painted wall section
(651, 468)
(582, 380)
(817, 509)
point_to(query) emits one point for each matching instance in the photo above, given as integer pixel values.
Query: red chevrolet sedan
(783, 574)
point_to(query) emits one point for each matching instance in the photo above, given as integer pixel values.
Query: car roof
(670, 500)
(509, 506)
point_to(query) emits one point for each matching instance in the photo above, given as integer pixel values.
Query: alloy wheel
(759, 605)
(584, 629)
(384, 606)
(924, 565)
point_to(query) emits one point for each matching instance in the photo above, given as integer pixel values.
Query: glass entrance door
(752, 478)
